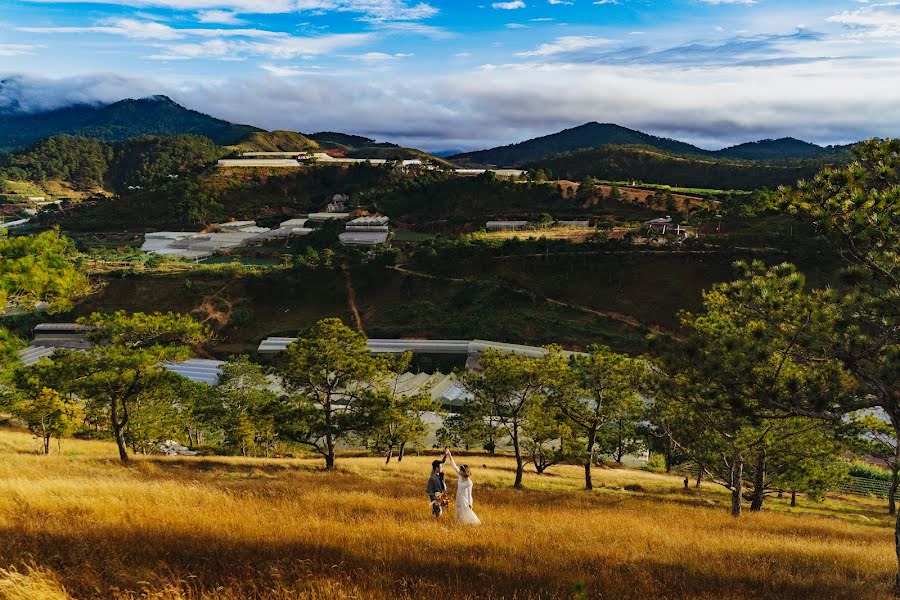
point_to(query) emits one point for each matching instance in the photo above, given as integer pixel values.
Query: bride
(464, 512)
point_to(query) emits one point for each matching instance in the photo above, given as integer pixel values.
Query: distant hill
(589, 135)
(275, 141)
(595, 135)
(646, 164)
(781, 149)
(157, 115)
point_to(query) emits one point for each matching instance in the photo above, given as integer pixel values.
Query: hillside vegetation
(90, 163)
(77, 525)
(275, 141)
(589, 135)
(648, 164)
(157, 115)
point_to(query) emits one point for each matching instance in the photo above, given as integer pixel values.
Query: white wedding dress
(464, 512)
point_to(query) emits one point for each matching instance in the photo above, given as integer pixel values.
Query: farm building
(327, 216)
(48, 337)
(503, 173)
(507, 225)
(661, 225)
(573, 223)
(366, 231)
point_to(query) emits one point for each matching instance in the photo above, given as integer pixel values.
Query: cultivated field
(80, 525)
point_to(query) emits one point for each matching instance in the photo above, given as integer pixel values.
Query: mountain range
(595, 135)
(159, 115)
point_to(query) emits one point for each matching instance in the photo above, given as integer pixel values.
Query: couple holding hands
(437, 491)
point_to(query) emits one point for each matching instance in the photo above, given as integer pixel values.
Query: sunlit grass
(81, 525)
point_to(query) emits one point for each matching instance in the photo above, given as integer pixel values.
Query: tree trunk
(47, 444)
(669, 454)
(390, 453)
(759, 482)
(897, 552)
(699, 475)
(892, 500)
(793, 498)
(589, 461)
(619, 450)
(118, 431)
(401, 451)
(520, 463)
(737, 476)
(329, 438)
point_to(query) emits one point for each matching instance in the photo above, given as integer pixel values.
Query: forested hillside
(783, 149)
(589, 135)
(645, 164)
(89, 163)
(157, 115)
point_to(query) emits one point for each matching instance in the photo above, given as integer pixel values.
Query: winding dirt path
(351, 301)
(609, 314)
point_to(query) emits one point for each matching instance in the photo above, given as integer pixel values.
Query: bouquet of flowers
(441, 499)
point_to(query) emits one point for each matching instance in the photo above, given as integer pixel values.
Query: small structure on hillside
(338, 203)
(665, 227)
(507, 225)
(660, 225)
(366, 231)
(573, 223)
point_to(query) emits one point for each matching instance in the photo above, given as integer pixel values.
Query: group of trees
(327, 390)
(90, 163)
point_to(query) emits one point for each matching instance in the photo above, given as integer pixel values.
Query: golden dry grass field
(575, 234)
(80, 525)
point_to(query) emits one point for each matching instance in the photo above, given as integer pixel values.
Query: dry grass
(82, 526)
(575, 234)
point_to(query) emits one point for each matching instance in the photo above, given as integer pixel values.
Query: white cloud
(17, 49)
(151, 30)
(220, 17)
(566, 44)
(285, 71)
(378, 10)
(379, 56)
(516, 26)
(746, 2)
(826, 102)
(560, 2)
(872, 21)
(282, 48)
(513, 5)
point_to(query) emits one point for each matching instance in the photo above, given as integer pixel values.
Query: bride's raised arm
(453, 463)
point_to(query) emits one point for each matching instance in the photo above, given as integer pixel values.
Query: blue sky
(467, 74)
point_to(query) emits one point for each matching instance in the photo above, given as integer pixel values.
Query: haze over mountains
(159, 115)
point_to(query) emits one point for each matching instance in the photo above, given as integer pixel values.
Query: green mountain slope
(589, 135)
(781, 149)
(157, 115)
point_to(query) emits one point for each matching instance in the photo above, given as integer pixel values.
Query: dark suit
(436, 485)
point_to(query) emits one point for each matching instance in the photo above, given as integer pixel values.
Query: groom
(436, 485)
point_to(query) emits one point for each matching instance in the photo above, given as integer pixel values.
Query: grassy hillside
(648, 164)
(589, 135)
(79, 525)
(275, 141)
(333, 139)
